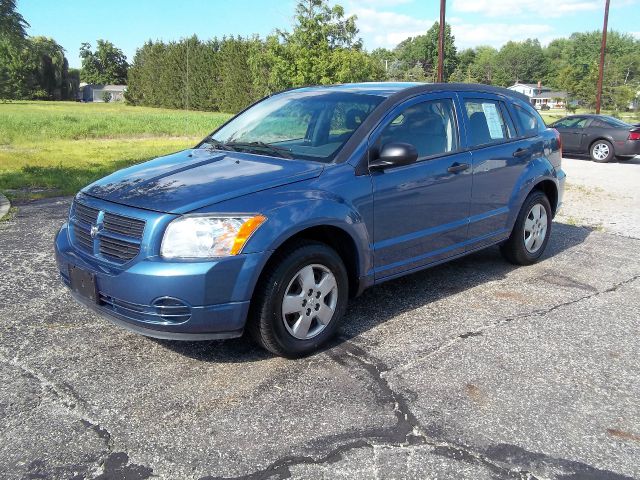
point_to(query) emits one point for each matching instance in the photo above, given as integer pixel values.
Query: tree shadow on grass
(386, 301)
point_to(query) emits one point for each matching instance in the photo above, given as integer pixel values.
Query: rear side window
(529, 121)
(599, 123)
(487, 122)
(429, 126)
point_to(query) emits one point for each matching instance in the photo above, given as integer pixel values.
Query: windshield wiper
(278, 151)
(217, 144)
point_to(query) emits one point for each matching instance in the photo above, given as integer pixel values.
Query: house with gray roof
(98, 93)
(541, 95)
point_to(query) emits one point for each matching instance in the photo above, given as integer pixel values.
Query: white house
(96, 93)
(541, 95)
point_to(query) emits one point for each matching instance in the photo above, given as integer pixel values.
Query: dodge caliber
(305, 199)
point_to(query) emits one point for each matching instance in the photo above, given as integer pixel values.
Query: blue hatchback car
(304, 200)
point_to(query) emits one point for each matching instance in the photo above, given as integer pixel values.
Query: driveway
(471, 370)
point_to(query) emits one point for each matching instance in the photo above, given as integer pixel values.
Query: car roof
(388, 89)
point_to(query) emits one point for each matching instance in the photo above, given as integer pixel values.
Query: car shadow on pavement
(390, 299)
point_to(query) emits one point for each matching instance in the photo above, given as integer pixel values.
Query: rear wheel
(531, 231)
(300, 300)
(601, 151)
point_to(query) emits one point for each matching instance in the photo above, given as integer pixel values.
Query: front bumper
(214, 294)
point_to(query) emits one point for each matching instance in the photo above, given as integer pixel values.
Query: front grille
(85, 213)
(118, 249)
(119, 236)
(131, 227)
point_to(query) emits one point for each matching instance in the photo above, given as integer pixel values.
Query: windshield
(305, 125)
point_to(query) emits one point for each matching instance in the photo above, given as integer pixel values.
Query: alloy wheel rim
(601, 151)
(535, 228)
(309, 301)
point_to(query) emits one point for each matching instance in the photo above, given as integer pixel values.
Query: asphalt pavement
(471, 370)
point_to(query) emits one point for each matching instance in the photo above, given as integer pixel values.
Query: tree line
(323, 47)
(228, 74)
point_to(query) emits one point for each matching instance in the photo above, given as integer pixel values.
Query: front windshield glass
(304, 125)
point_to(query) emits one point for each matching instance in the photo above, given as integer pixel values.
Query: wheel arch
(336, 237)
(550, 189)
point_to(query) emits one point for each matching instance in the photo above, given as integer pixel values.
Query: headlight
(199, 236)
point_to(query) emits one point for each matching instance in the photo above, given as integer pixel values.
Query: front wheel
(601, 151)
(300, 300)
(531, 231)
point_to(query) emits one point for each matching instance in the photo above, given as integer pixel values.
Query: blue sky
(383, 23)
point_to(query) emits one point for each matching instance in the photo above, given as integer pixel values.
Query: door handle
(521, 152)
(458, 167)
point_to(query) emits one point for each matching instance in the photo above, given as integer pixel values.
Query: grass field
(56, 148)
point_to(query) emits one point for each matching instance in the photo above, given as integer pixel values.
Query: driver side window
(428, 126)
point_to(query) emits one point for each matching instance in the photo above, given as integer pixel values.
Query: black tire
(514, 249)
(266, 324)
(599, 144)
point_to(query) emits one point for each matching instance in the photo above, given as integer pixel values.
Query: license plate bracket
(83, 283)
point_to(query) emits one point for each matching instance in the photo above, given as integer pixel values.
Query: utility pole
(603, 47)
(443, 4)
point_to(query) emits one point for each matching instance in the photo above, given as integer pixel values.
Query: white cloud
(540, 8)
(386, 29)
(497, 34)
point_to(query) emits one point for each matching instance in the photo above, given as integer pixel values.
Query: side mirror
(394, 155)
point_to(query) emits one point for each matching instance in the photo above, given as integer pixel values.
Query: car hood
(193, 179)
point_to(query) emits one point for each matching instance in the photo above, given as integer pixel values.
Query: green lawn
(55, 148)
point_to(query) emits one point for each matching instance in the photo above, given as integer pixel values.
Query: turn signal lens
(245, 232)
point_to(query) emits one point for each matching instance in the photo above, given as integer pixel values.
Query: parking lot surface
(471, 370)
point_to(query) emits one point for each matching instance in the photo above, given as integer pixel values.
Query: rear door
(421, 210)
(499, 156)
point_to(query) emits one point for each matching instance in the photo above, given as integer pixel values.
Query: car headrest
(354, 118)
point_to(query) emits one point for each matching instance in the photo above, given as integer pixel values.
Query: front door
(421, 210)
(572, 130)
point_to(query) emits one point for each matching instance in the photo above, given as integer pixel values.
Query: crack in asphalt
(68, 398)
(405, 433)
(503, 321)
(506, 461)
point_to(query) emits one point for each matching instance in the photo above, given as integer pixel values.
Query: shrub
(106, 97)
